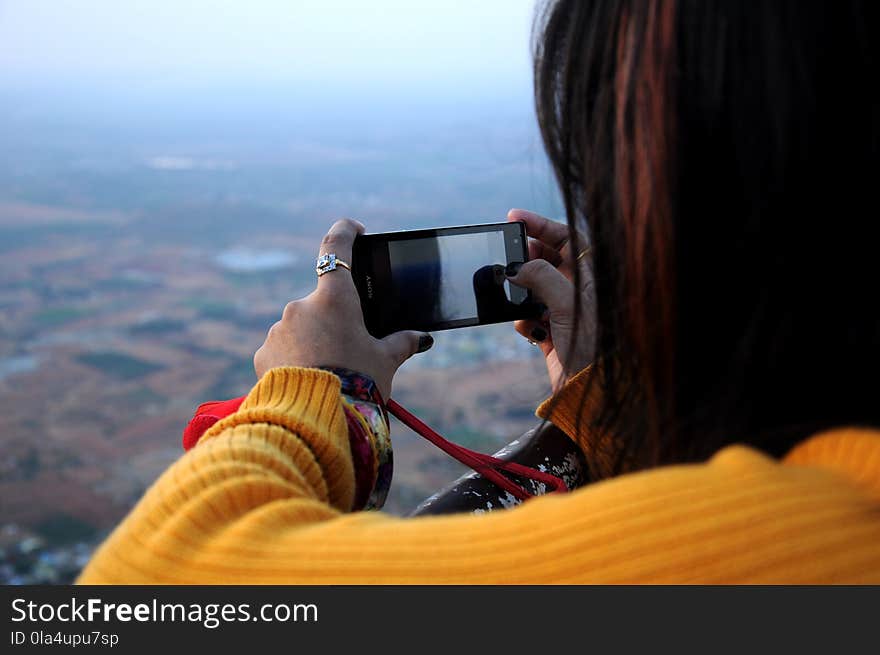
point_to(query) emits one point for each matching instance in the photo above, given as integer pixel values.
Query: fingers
(551, 233)
(539, 250)
(551, 240)
(406, 343)
(531, 329)
(536, 333)
(547, 284)
(339, 240)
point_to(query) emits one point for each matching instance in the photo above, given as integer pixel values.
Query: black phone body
(440, 278)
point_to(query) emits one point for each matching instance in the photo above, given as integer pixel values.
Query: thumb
(547, 283)
(406, 343)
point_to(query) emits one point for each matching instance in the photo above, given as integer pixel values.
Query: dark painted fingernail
(539, 334)
(512, 268)
(425, 343)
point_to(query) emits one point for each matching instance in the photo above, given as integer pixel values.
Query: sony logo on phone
(369, 287)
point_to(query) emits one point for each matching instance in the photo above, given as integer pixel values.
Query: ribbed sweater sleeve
(263, 498)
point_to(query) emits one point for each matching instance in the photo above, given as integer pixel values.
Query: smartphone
(440, 278)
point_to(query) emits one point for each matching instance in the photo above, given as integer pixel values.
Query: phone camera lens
(516, 239)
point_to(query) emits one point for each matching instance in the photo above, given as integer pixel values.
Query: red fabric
(207, 415)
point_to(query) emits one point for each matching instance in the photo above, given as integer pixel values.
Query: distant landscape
(149, 239)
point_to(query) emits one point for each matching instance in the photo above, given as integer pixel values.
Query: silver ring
(329, 262)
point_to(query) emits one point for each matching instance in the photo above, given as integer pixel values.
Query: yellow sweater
(263, 499)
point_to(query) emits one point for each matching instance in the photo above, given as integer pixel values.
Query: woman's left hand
(326, 328)
(568, 344)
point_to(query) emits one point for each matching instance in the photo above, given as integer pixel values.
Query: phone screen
(439, 278)
(433, 279)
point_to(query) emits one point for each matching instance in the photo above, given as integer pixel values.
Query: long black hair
(723, 157)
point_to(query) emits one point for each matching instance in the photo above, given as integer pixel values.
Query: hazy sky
(467, 42)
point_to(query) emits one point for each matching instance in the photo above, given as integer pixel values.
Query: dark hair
(723, 157)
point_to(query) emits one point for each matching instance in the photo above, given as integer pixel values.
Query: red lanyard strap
(485, 465)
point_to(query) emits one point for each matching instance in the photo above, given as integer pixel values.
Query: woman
(717, 363)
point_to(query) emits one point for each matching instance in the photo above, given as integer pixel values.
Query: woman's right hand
(549, 275)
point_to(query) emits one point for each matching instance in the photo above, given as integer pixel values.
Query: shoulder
(740, 517)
